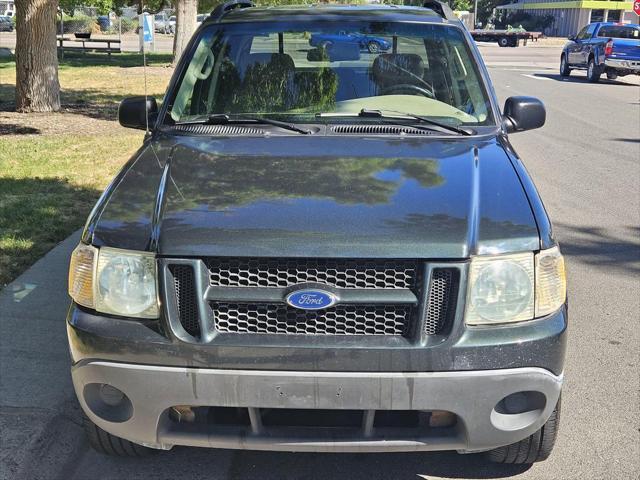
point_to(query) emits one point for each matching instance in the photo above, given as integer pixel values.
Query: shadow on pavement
(195, 463)
(580, 79)
(628, 140)
(596, 247)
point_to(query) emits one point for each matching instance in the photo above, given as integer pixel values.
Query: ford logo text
(311, 299)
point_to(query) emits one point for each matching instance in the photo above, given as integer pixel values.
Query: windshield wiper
(438, 126)
(222, 119)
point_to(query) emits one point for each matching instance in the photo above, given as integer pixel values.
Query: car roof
(388, 13)
(617, 24)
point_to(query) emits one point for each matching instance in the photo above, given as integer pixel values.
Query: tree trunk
(37, 87)
(186, 13)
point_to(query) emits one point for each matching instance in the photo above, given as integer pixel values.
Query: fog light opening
(518, 410)
(108, 402)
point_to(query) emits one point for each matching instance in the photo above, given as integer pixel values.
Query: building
(571, 16)
(7, 8)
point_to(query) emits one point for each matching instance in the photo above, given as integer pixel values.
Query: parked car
(161, 23)
(172, 24)
(6, 24)
(603, 48)
(362, 263)
(365, 42)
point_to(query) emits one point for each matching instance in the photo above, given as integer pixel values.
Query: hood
(319, 197)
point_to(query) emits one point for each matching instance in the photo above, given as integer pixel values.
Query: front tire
(107, 444)
(503, 42)
(535, 448)
(565, 71)
(593, 71)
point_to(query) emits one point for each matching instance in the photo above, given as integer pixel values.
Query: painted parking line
(535, 77)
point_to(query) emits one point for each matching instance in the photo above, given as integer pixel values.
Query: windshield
(294, 71)
(619, 31)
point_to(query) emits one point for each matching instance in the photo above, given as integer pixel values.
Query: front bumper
(473, 396)
(632, 66)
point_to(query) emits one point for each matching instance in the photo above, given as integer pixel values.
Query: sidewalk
(39, 417)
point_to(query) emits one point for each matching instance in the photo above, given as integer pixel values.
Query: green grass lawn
(54, 166)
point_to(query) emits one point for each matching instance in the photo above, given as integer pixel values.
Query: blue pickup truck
(601, 47)
(365, 42)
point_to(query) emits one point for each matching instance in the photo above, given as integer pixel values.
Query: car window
(619, 31)
(581, 33)
(296, 70)
(587, 32)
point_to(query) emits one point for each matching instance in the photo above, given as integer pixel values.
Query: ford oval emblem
(311, 299)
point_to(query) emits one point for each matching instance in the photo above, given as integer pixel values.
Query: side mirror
(133, 110)
(572, 38)
(523, 113)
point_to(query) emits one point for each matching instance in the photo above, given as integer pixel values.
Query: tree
(186, 13)
(37, 87)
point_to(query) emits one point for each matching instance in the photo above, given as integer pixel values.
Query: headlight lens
(515, 288)
(500, 289)
(121, 283)
(81, 274)
(551, 281)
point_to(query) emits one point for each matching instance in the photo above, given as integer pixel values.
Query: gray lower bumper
(632, 65)
(471, 395)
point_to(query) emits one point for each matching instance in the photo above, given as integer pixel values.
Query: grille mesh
(441, 301)
(184, 283)
(337, 273)
(339, 320)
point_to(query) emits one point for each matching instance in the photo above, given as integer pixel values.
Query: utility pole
(475, 13)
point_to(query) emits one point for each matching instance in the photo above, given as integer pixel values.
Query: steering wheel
(404, 87)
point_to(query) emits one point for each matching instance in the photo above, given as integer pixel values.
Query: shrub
(129, 25)
(78, 24)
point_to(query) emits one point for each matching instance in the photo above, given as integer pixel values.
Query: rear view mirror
(523, 113)
(132, 112)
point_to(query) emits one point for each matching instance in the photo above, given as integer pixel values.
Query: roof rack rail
(441, 8)
(221, 10)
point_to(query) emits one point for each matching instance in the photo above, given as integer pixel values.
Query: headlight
(122, 282)
(551, 281)
(82, 271)
(515, 288)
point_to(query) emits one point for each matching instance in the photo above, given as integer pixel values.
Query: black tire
(503, 42)
(593, 71)
(612, 75)
(107, 444)
(535, 448)
(565, 71)
(373, 47)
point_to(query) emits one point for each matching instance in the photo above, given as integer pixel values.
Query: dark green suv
(322, 248)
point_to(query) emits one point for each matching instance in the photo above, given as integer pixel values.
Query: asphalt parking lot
(585, 161)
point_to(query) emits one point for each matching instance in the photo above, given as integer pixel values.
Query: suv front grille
(238, 272)
(338, 320)
(376, 303)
